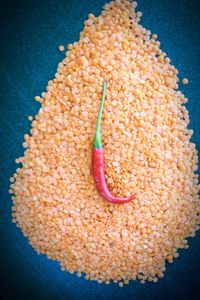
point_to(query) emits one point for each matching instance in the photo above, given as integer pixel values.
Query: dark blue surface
(30, 32)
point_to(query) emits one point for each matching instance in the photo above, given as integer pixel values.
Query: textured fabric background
(30, 32)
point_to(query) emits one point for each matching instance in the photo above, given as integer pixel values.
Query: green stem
(97, 137)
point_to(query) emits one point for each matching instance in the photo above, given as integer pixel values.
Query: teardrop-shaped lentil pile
(147, 152)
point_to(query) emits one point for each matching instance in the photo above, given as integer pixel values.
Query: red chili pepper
(98, 163)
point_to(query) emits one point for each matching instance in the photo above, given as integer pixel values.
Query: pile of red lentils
(147, 152)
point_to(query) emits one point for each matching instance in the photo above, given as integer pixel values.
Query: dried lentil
(55, 201)
(185, 81)
(30, 118)
(61, 48)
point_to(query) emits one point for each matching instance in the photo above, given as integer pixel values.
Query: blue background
(30, 32)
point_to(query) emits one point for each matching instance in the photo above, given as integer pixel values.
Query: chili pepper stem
(97, 137)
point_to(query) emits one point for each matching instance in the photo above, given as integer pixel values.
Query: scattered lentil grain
(61, 48)
(30, 118)
(185, 81)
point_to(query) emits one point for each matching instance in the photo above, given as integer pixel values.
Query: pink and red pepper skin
(99, 178)
(98, 171)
